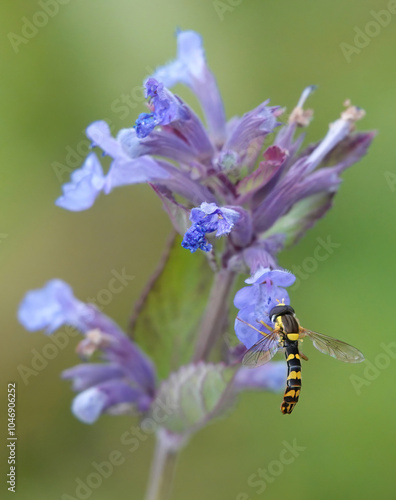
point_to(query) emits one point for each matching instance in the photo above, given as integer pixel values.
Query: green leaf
(168, 315)
(194, 395)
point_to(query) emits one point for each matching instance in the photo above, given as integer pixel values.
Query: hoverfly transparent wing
(262, 351)
(333, 347)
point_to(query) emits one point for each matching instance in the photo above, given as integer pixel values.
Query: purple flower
(86, 184)
(266, 291)
(110, 396)
(166, 107)
(207, 219)
(190, 68)
(277, 199)
(125, 379)
(51, 307)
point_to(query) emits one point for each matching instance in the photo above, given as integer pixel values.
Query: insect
(285, 335)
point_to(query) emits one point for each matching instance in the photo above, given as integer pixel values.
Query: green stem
(216, 313)
(163, 466)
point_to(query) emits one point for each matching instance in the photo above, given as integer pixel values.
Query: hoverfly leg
(266, 326)
(304, 357)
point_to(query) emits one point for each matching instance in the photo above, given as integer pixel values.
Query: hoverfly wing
(264, 350)
(334, 348)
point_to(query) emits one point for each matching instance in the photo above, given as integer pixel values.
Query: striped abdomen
(293, 383)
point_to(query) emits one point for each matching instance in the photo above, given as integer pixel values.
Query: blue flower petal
(247, 335)
(89, 374)
(90, 404)
(194, 239)
(207, 219)
(245, 296)
(190, 68)
(278, 277)
(166, 108)
(50, 307)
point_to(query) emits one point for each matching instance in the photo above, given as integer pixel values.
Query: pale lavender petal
(159, 143)
(50, 307)
(253, 125)
(91, 403)
(89, 374)
(242, 233)
(100, 134)
(247, 335)
(124, 169)
(278, 277)
(191, 69)
(245, 296)
(182, 184)
(261, 254)
(139, 170)
(338, 131)
(86, 184)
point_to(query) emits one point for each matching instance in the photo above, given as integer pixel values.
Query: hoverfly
(285, 335)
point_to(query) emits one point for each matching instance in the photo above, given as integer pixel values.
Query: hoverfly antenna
(281, 303)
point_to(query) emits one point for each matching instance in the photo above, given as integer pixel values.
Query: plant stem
(215, 314)
(163, 466)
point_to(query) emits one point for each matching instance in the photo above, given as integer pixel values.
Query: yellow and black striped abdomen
(293, 383)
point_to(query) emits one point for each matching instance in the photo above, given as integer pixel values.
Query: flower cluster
(214, 168)
(230, 180)
(125, 379)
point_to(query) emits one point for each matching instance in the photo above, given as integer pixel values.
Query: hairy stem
(216, 313)
(163, 466)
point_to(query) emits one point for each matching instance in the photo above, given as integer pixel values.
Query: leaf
(169, 312)
(194, 395)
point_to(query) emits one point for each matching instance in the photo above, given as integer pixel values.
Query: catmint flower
(89, 181)
(266, 290)
(191, 69)
(248, 179)
(125, 379)
(86, 183)
(207, 219)
(166, 109)
(278, 191)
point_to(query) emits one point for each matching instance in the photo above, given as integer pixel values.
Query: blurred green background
(74, 71)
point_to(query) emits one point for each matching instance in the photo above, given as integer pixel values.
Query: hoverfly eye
(273, 318)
